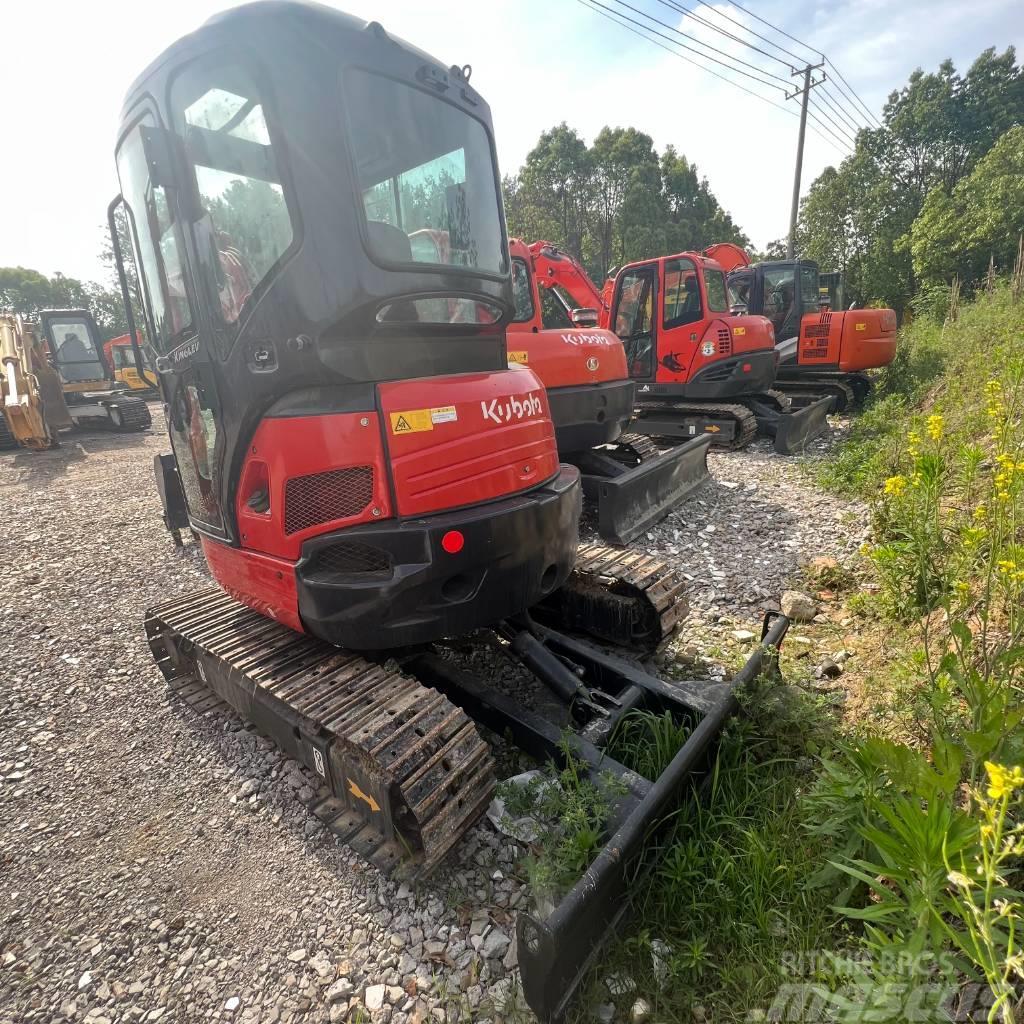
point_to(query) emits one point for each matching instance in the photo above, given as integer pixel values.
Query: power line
(848, 126)
(616, 19)
(800, 42)
(850, 87)
(715, 28)
(850, 115)
(613, 15)
(781, 32)
(746, 28)
(707, 46)
(844, 140)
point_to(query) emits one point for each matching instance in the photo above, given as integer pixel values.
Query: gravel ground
(159, 866)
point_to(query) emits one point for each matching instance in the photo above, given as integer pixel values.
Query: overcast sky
(66, 66)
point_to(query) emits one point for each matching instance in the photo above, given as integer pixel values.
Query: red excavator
(821, 351)
(698, 368)
(366, 474)
(591, 396)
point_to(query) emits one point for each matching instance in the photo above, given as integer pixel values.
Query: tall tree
(980, 220)
(859, 217)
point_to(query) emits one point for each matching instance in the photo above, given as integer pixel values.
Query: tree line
(614, 201)
(935, 192)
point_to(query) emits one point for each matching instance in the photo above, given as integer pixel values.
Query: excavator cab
(325, 274)
(73, 341)
(673, 316)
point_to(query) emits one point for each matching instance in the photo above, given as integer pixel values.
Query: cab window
(221, 117)
(779, 296)
(809, 290)
(553, 311)
(718, 298)
(425, 171)
(522, 291)
(157, 239)
(682, 293)
(74, 349)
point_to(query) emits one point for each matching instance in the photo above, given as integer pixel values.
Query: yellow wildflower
(980, 513)
(935, 425)
(1006, 567)
(895, 485)
(963, 589)
(1002, 781)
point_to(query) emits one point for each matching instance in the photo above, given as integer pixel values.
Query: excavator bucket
(630, 502)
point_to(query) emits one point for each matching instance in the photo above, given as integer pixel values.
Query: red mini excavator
(367, 475)
(591, 395)
(821, 351)
(698, 368)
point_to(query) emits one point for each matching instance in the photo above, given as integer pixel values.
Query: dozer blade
(404, 771)
(622, 597)
(631, 502)
(792, 431)
(555, 951)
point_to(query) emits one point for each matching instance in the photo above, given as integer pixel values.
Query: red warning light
(453, 542)
(746, 367)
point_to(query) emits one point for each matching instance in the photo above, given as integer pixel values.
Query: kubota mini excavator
(591, 395)
(366, 473)
(821, 351)
(698, 369)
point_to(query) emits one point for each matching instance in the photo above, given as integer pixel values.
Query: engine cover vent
(325, 497)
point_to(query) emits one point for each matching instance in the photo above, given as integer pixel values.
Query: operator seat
(392, 244)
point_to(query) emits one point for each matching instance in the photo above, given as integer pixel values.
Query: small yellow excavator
(55, 378)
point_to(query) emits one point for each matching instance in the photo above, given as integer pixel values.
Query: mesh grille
(820, 329)
(724, 341)
(718, 373)
(349, 558)
(323, 497)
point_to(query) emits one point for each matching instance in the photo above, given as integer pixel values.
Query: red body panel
(491, 437)
(857, 339)
(301, 446)
(265, 584)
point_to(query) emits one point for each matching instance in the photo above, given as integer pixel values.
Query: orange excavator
(699, 369)
(592, 397)
(821, 351)
(120, 353)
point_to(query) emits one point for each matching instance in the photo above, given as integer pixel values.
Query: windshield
(426, 177)
(74, 350)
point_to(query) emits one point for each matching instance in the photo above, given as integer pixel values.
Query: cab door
(145, 169)
(634, 319)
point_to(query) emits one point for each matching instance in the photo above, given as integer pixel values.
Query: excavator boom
(33, 406)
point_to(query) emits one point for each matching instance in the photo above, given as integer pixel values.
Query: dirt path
(158, 866)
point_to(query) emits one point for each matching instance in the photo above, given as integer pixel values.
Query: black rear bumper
(590, 414)
(392, 584)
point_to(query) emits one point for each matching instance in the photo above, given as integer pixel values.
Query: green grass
(940, 366)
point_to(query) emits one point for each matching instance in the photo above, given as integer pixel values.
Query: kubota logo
(512, 408)
(580, 339)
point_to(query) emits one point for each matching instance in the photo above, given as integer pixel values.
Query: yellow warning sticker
(860, 327)
(518, 357)
(411, 421)
(739, 330)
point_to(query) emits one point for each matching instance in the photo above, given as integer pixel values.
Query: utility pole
(805, 90)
